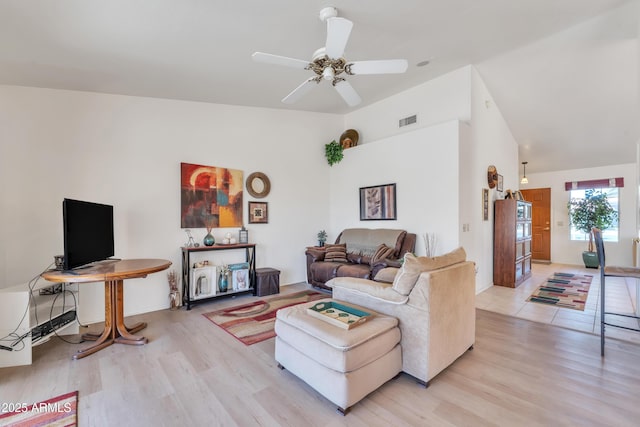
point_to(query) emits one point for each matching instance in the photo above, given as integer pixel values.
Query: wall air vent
(408, 121)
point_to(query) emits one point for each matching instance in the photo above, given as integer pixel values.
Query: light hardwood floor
(621, 298)
(520, 373)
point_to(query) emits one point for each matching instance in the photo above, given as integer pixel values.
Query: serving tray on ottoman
(338, 314)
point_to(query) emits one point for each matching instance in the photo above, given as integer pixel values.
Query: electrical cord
(12, 336)
(75, 305)
(16, 339)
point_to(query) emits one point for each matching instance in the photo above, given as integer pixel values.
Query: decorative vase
(320, 243)
(209, 240)
(174, 300)
(223, 282)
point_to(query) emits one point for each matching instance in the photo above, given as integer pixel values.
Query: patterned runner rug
(254, 322)
(563, 290)
(58, 411)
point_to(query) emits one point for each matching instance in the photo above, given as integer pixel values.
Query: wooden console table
(113, 273)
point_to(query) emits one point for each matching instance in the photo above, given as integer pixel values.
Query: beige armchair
(434, 301)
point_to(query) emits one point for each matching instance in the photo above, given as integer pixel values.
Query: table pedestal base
(115, 331)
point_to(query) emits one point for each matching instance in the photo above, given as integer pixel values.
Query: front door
(540, 199)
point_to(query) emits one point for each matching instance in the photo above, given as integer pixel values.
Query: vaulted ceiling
(563, 73)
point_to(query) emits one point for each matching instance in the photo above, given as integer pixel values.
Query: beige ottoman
(342, 365)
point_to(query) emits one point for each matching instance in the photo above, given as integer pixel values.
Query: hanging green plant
(333, 152)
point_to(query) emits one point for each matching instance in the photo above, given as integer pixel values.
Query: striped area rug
(59, 411)
(563, 290)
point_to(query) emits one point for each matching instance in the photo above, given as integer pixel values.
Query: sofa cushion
(354, 270)
(382, 252)
(354, 258)
(335, 253)
(412, 266)
(386, 275)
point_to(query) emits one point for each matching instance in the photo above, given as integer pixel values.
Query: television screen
(88, 232)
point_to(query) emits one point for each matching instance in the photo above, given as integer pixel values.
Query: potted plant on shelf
(594, 210)
(322, 237)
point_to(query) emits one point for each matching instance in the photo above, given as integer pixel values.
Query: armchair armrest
(312, 255)
(384, 263)
(381, 292)
(315, 253)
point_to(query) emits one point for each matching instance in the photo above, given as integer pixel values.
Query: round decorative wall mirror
(258, 185)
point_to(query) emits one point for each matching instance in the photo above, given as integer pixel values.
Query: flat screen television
(88, 232)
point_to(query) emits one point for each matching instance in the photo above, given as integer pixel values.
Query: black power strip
(56, 323)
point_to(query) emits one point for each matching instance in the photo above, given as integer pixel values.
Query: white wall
(439, 100)
(483, 139)
(491, 144)
(565, 251)
(126, 151)
(424, 166)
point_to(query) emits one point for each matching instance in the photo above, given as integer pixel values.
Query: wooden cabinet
(511, 242)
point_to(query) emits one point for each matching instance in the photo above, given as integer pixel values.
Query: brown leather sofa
(361, 245)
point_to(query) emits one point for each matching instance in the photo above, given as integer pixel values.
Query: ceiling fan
(329, 64)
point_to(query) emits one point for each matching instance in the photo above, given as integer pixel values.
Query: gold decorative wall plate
(492, 176)
(349, 138)
(258, 185)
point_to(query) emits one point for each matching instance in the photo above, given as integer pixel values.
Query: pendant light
(524, 179)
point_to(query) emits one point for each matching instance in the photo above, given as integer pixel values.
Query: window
(611, 233)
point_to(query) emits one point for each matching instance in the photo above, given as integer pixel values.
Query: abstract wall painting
(211, 196)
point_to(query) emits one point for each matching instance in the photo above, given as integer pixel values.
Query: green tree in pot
(592, 211)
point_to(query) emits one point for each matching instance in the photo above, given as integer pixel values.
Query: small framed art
(500, 183)
(258, 213)
(485, 204)
(378, 202)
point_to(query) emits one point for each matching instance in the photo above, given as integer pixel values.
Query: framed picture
(210, 196)
(500, 183)
(378, 202)
(258, 213)
(485, 204)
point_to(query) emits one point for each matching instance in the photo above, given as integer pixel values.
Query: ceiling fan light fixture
(328, 73)
(329, 64)
(524, 179)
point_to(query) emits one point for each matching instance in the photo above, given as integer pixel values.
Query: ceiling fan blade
(300, 91)
(338, 31)
(268, 58)
(388, 66)
(348, 93)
